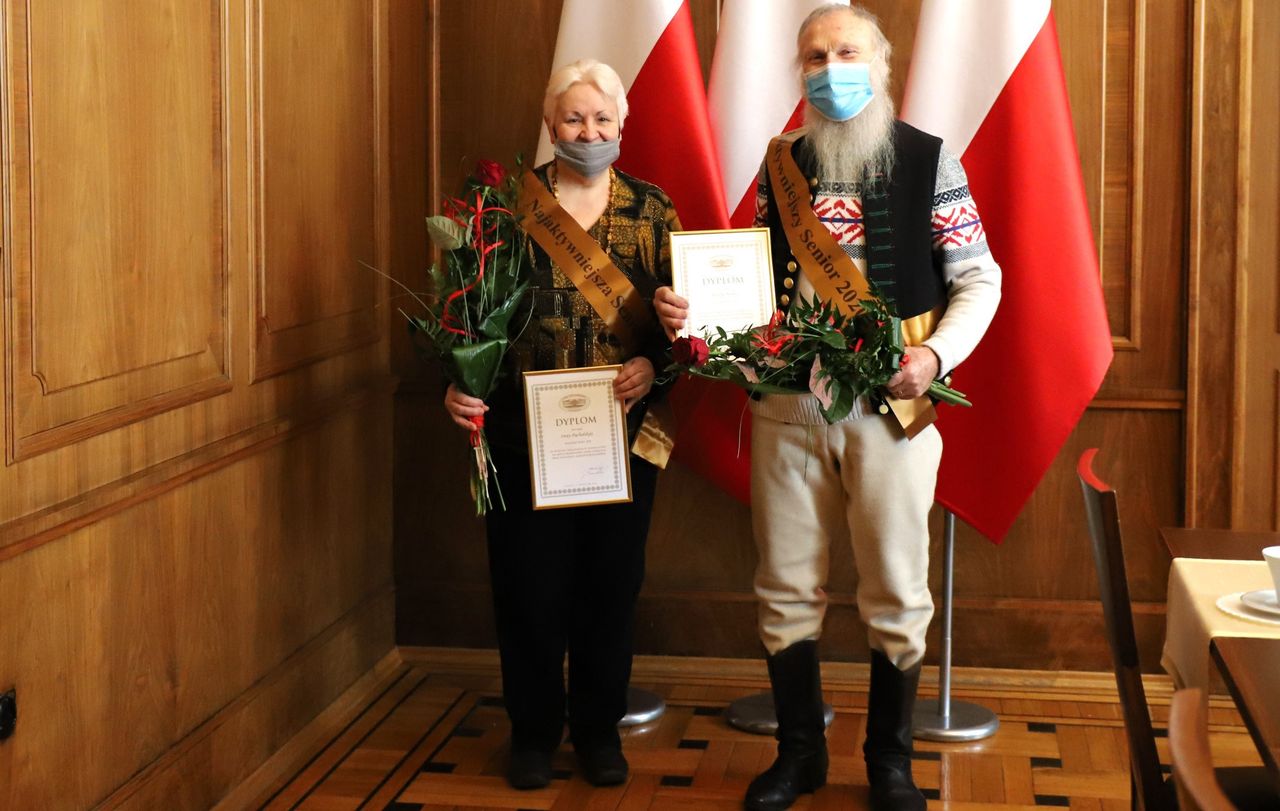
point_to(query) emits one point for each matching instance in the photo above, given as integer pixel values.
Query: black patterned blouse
(564, 331)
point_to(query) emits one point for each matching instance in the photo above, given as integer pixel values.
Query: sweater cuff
(946, 355)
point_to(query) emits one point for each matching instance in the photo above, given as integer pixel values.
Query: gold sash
(829, 269)
(606, 288)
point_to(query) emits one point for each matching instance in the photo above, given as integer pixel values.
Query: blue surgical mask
(588, 158)
(839, 90)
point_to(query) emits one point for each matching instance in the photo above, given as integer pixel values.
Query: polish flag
(666, 140)
(986, 76)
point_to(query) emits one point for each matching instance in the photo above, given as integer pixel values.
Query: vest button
(791, 266)
(813, 183)
(784, 299)
(788, 282)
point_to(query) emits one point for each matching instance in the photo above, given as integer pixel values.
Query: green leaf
(834, 340)
(477, 366)
(447, 234)
(496, 324)
(841, 402)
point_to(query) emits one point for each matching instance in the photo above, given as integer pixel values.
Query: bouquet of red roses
(469, 321)
(815, 347)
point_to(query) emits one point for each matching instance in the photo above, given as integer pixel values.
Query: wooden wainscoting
(195, 505)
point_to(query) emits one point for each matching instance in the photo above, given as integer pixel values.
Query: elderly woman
(567, 579)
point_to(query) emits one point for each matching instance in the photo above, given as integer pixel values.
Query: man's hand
(919, 369)
(633, 381)
(672, 310)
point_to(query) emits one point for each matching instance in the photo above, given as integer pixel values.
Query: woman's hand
(672, 310)
(462, 407)
(919, 369)
(633, 382)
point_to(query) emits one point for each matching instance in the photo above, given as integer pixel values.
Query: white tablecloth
(1195, 584)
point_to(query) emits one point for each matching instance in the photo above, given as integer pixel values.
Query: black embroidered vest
(898, 223)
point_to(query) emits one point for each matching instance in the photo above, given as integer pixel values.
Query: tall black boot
(888, 746)
(801, 765)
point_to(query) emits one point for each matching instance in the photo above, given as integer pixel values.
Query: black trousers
(566, 580)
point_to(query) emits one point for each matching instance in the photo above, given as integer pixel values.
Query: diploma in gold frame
(577, 429)
(726, 276)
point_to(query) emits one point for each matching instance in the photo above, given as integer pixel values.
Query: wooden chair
(1248, 788)
(1149, 790)
(1193, 773)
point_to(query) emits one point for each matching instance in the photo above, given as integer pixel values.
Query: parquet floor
(432, 735)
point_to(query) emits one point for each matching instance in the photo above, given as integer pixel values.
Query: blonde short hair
(586, 71)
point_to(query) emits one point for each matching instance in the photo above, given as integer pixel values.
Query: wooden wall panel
(115, 216)
(122, 638)
(1259, 503)
(1139, 73)
(319, 81)
(189, 575)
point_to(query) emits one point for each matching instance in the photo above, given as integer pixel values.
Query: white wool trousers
(859, 481)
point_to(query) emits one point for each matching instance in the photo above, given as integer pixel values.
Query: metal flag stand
(755, 714)
(942, 719)
(643, 707)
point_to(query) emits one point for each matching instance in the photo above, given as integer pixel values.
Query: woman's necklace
(606, 217)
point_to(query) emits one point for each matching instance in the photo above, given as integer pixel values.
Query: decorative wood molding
(1042, 684)
(1140, 400)
(996, 632)
(280, 345)
(1137, 177)
(1213, 401)
(1244, 192)
(1110, 103)
(29, 532)
(47, 409)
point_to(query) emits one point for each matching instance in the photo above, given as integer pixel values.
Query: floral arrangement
(815, 347)
(468, 322)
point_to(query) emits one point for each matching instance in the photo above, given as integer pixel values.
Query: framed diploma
(726, 276)
(577, 438)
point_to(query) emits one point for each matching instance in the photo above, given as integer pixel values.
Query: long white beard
(845, 148)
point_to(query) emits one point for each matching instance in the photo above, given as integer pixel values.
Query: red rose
(691, 351)
(490, 173)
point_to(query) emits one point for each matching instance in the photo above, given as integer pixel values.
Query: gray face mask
(590, 158)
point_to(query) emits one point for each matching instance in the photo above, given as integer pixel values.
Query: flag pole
(941, 719)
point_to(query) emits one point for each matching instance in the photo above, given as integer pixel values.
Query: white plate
(1263, 600)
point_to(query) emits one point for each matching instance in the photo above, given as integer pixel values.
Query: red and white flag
(986, 76)
(666, 140)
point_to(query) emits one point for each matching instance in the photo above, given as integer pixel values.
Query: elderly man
(855, 194)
